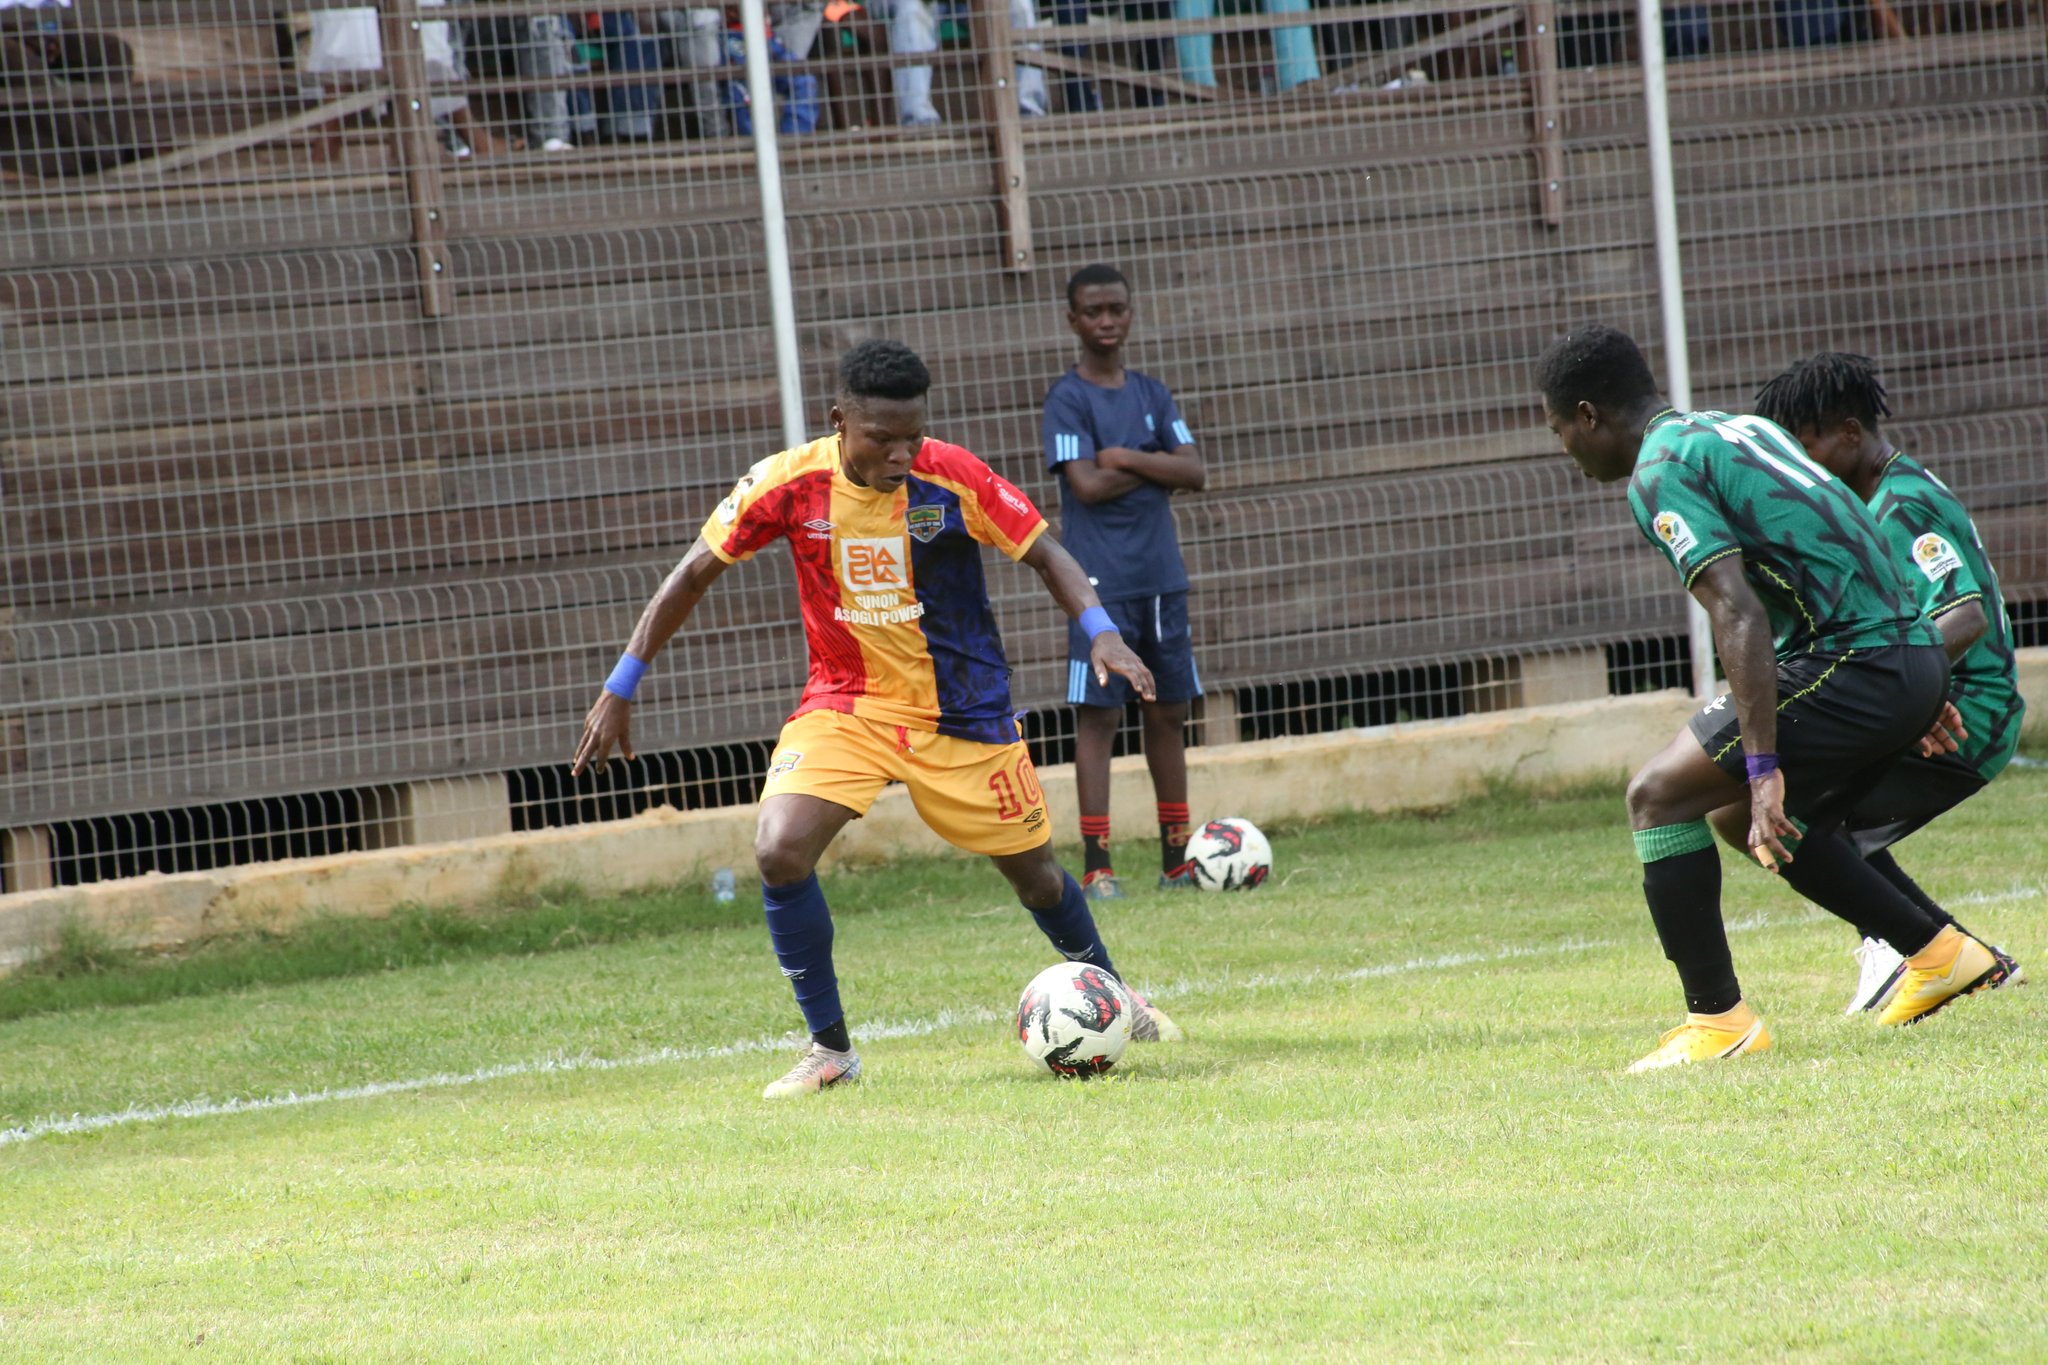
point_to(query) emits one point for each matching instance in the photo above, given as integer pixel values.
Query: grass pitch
(1398, 1129)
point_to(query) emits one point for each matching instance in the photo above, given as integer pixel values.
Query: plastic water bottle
(1508, 65)
(723, 886)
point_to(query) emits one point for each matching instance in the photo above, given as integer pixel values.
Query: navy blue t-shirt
(1128, 545)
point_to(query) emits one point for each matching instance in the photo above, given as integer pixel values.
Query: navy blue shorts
(1156, 629)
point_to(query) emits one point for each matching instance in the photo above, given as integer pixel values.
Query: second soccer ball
(1229, 855)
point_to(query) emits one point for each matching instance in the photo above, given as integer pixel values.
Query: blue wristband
(1095, 621)
(625, 677)
(1759, 765)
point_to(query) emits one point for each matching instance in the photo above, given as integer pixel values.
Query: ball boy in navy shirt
(1118, 442)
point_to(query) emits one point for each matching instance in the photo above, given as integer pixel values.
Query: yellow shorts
(983, 798)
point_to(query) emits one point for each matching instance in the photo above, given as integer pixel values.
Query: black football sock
(1826, 870)
(836, 1038)
(1173, 836)
(1094, 843)
(1888, 868)
(1682, 883)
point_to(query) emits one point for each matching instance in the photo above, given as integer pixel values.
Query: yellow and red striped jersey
(895, 607)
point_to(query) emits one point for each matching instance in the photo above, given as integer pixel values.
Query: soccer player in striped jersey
(1832, 403)
(1833, 670)
(908, 680)
(1121, 449)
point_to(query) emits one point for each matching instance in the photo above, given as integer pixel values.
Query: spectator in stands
(914, 27)
(40, 52)
(445, 45)
(1294, 49)
(695, 39)
(629, 110)
(346, 51)
(1117, 441)
(544, 48)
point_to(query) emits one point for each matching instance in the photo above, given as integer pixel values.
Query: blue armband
(1095, 621)
(1759, 765)
(625, 677)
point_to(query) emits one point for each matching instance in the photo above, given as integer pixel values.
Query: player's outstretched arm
(1742, 637)
(1068, 583)
(610, 720)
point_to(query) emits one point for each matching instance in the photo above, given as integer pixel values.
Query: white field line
(905, 1028)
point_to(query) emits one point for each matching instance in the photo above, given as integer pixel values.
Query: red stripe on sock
(1096, 826)
(1171, 814)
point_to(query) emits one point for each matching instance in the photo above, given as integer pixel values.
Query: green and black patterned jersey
(1933, 536)
(1708, 485)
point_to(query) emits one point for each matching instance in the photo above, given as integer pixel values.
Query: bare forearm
(673, 602)
(1181, 470)
(1092, 483)
(1062, 575)
(1743, 640)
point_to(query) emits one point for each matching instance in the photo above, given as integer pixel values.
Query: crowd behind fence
(366, 369)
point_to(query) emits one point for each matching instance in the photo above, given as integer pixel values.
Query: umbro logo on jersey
(819, 528)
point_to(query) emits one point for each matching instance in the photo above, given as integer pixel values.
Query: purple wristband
(1095, 621)
(1760, 765)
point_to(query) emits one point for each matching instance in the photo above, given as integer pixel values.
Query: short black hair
(1822, 391)
(1094, 274)
(883, 369)
(1596, 364)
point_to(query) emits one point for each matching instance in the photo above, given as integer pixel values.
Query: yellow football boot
(1706, 1037)
(1948, 968)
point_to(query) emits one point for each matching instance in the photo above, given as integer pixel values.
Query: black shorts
(1843, 720)
(1909, 793)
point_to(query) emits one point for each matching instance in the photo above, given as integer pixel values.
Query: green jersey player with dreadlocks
(1834, 674)
(1832, 403)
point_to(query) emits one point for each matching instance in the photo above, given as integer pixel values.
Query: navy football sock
(1071, 928)
(800, 926)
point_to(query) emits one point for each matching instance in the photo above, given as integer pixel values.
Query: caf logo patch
(924, 522)
(1672, 530)
(1935, 557)
(785, 762)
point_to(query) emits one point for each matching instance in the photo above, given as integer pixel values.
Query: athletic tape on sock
(1671, 841)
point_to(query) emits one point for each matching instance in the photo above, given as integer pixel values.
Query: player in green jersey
(1832, 403)
(1834, 673)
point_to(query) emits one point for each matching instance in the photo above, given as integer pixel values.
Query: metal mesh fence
(366, 370)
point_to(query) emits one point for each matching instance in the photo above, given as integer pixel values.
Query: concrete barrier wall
(1400, 767)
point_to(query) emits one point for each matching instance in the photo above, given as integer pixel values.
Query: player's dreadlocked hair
(1597, 364)
(1824, 391)
(1094, 274)
(883, 369)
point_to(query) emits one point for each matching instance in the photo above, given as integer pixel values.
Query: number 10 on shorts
(1013, 798)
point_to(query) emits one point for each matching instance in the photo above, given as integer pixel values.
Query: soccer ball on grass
(1229, 855)
(1074, 1019)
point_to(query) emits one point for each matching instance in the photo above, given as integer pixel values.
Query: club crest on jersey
(1672, 530)
(924, 522)
(873, 565)
(1935, 557)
